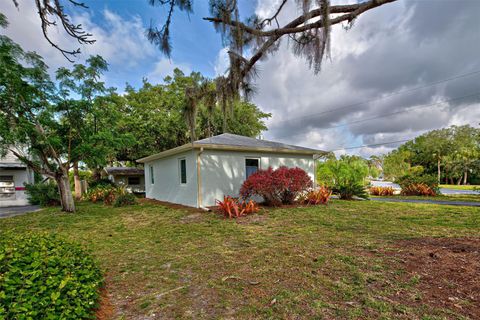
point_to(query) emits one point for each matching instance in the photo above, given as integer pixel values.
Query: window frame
(152, 175)
(133, 177)
(180, 160)
(258, 165)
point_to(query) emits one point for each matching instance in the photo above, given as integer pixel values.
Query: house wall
(20, 177)
(223, 172)
(122, 180)
(167, 186)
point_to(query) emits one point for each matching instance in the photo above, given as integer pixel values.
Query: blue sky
(395, 48)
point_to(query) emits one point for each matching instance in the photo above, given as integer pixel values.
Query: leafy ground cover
(350, 259)
(457, 187)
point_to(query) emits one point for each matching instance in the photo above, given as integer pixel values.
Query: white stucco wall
(167, 186)
(20, 177)
(223, 172)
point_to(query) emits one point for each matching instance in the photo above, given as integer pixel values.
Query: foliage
(234, 208)
(110, 195)
(417, 189)
(452, 154)
(381, 191)
(156, 116)
(104, 182)
(345, 176)
(319, 196)
(126, 199)
(276, 187)
(422, 185)
(43, 194)
(45, 277)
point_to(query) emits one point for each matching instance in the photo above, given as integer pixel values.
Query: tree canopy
(452, 154)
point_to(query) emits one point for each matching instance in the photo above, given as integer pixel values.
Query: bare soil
(105, 310)
(445, 271)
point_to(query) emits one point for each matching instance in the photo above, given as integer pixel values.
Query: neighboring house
(13, 176)
(196, 174)
(132, 178)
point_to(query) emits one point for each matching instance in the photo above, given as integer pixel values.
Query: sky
(401, 70)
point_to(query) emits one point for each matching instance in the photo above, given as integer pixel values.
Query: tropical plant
(123, 200)
(276, 187)
(381, 191)
(345, 176)
(234, 208)
(423, 184)
(43, 193)
(45, 277)
(418, 189)
(318, 196)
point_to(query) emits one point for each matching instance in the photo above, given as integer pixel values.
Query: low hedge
(45, 277)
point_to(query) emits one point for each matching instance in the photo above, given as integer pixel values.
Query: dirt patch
(105, 310)
(445, 271)
(171, 205)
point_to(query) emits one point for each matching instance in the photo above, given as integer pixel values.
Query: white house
(196, 174)
(13, 175)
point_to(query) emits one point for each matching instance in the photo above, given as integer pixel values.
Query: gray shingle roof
(125, 171)
(228, 139)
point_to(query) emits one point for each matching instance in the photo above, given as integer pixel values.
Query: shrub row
(381, 191)
(44, 277)
(110, 195)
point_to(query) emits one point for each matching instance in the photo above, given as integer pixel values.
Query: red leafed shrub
(319, 196)
(276, 187)
(381, 191)
(233, 208)
(418, 189)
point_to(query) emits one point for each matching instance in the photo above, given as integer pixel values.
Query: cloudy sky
(403, 69)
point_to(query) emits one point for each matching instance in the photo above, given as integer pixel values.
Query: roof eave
(191, 146)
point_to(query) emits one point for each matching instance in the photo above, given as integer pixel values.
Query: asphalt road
(6, 212)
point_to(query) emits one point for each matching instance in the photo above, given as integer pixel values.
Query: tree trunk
(465, 177)
(438, 170)
(66, 197)
(76, 180)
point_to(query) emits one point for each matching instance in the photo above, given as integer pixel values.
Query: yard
(346, 260)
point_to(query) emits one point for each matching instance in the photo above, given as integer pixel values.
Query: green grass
(315, 262)
(457, 187)
(452, 197)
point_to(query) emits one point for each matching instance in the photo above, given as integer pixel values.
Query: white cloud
(165, 67)
(396, 47)
(222, 62)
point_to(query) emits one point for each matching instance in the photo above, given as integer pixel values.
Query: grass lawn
(457, 187)
(450, 197)
(319, 262)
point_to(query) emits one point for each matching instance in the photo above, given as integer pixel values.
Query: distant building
(13, 176)
(131, 178)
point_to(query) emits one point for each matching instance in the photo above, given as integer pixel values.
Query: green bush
(125, 200)
(44, 194)
(345, 176)
(409, 180)
(44, 277)
(101, 183)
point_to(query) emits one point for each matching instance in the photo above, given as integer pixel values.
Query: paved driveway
(16, 211)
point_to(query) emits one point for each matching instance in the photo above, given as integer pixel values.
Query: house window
(7, 188)
(133, 180)
(251, 166)
(152, 179)
(183, 171)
